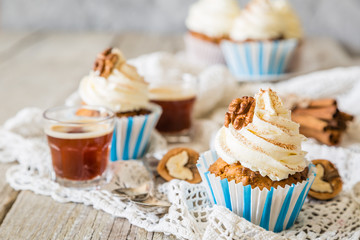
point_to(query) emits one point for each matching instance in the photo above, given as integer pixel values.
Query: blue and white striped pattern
(274, 209)
(132, 134)
(256, 59)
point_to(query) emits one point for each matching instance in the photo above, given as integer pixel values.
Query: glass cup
(177, 98)
(79, 139)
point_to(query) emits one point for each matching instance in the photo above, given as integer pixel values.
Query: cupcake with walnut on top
(115, 84)
(258, 169)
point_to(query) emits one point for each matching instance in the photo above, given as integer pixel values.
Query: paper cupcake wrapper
(274, 209)
(131, 135)
(258, 58)
(203, 52)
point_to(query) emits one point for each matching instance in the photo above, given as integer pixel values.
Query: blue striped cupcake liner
(274, 209)
(258, 59)
(132, 134)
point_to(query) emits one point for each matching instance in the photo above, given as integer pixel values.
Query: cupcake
(116, 85)
(262, 40)
(258, 170)
(209, 22)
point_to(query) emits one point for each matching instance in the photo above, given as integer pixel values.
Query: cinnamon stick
(346, 117)
(310, 122)
(326, 113)
(329, 137)
(337, 123)
(324, 102)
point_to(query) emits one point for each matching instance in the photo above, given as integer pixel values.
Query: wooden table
(41, 69)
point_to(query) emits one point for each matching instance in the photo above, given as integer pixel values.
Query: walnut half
(240, 112)
(105, 62)
(328, 183)
(180, 163)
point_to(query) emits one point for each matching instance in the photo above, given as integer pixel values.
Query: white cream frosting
(271, 144)
(213, 18)
(266, 20)
(123, 90)
(259, 21)
(292, 23)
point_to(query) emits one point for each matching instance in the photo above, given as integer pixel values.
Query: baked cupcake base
(245, 176)
(275, 209)
(205, 38)
(139, 112)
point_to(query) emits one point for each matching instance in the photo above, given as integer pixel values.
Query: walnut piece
(319, 184)
(105, 62)
(327, 183)
(176, 166)
(240, 112)
(179, 163)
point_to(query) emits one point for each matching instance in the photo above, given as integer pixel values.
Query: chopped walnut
(105, 62)
(327, 183)
(240, 112)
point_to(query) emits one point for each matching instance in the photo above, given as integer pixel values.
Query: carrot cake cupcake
(258, 169)
(115, 84)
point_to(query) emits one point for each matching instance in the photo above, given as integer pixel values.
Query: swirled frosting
(212, 18)
(291, 22)
(123, 90)
(270, 144)
(266, 20)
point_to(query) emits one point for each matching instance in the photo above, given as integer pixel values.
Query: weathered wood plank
(7, 194)
(34, 213)
(160, 236)
(117, 228)
(134, 45)
(102, 226)
(143, 234)
(47, 71)
(39, 217)
(13, 41)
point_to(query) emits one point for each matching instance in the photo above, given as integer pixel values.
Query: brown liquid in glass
(176, 115)
(80, 158)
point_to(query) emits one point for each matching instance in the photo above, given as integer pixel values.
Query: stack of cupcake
(114, 84)
(257, 42)
(258, 169)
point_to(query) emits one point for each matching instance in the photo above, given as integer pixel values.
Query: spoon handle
(151, 174)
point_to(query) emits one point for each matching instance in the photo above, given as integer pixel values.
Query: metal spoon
(151, 202)
(142, 196)
(141, 190)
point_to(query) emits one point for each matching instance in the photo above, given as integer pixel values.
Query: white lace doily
(191, 216)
